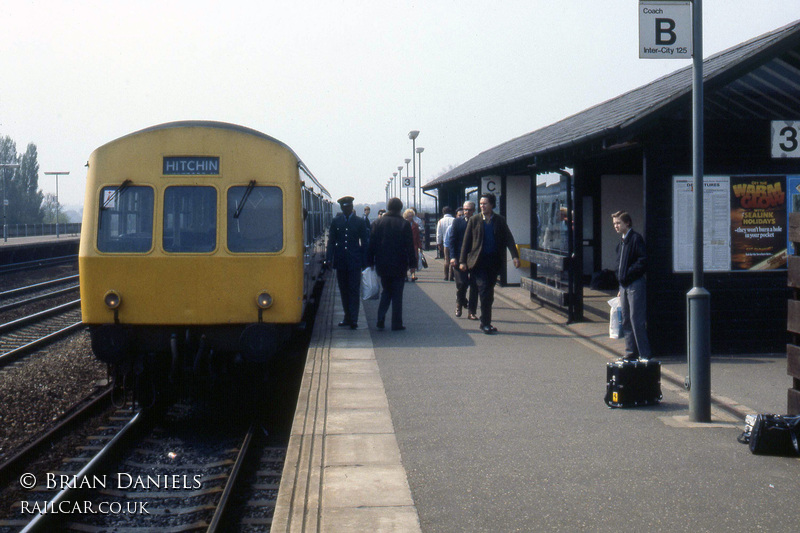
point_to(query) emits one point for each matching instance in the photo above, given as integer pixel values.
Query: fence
(32, 230)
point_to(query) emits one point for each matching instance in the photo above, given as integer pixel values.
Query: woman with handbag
(408, 214)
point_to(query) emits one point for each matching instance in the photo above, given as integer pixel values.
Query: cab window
(190, 219)
(126, 219)
(255, 219)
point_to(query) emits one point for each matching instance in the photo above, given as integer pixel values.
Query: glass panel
(552, 216)
(126, 219)
(259, 227)
(190, 219)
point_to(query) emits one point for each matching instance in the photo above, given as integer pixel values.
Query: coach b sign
(665, 30)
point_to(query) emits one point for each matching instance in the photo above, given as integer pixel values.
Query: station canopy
(758, 79)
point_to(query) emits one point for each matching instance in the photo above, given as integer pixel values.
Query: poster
(758, 222)
(793, 204)
(716, 224)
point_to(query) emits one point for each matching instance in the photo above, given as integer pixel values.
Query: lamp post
(4, 166)
(419, 151)
(413, 134)
(56, 174)
(400, 184)
(394, 184)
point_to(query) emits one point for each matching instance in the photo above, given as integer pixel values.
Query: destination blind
(191, 166)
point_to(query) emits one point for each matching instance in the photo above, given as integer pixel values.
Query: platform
(443, 428)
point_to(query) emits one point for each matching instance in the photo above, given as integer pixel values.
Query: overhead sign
(408, 182)
(785, 138)
(665, 30)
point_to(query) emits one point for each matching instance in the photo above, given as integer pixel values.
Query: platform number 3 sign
(785, 138)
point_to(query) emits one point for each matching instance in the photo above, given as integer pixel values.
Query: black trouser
(485, 273)
(392, 292)
(349, 279)
(464, 281)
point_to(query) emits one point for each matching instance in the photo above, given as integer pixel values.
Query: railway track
(160, 474)
(21, 336)
(22, 296)
(38, 263)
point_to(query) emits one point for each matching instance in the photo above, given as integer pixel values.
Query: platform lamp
(419, 152)
(400, 184)
(56, 174)
(413, 134)
(4, 166)
(394, 184)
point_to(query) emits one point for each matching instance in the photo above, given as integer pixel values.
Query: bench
(551, 271)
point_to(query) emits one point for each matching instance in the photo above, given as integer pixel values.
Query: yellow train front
(201, 245)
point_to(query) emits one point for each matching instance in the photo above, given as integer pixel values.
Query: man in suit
(391, 252)
(453, 241)
(483, 253)
(631, 268)
(347, 248)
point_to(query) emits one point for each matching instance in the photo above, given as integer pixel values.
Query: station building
(634, 153)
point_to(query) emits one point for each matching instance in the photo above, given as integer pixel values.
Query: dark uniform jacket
(347, 242)
(472, 246)
(391, 246)
(631, 258)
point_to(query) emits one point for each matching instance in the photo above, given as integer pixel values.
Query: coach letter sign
(665, 30)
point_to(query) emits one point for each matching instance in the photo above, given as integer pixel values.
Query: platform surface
(441, 428)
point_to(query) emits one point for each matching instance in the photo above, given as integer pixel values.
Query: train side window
(190, 219)
(125, 223)
(259, 226)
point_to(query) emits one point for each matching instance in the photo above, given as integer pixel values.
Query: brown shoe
(473, 317)
(458, 310)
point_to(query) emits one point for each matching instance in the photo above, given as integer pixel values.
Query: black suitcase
(633, 383)
(776, 435)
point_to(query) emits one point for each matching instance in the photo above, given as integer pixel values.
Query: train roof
(231, 127)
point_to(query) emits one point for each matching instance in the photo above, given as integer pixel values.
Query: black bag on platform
(775, 435)
(633, 383)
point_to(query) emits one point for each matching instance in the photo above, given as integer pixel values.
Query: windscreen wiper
(117, 194)
(245, 196)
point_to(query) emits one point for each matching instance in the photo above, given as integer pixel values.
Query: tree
(27, 183)
(8, 155)
(22, 185)
(49, 210)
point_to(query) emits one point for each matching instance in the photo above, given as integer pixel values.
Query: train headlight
(112, 299)
(264, 300)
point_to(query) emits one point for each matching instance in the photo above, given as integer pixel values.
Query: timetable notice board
(744, 222)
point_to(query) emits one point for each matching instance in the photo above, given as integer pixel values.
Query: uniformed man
(347, 251)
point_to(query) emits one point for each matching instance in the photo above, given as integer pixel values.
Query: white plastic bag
(615, 322)
(370, 286)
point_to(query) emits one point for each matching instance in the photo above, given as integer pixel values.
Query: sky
(342, 82)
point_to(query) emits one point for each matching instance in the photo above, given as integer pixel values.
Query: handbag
(423, 263)
(615, 319)
(775, 435)
(370, 287)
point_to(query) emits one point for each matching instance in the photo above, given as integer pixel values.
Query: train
(202, 245)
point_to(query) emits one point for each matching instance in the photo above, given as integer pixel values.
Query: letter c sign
(492, 184)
